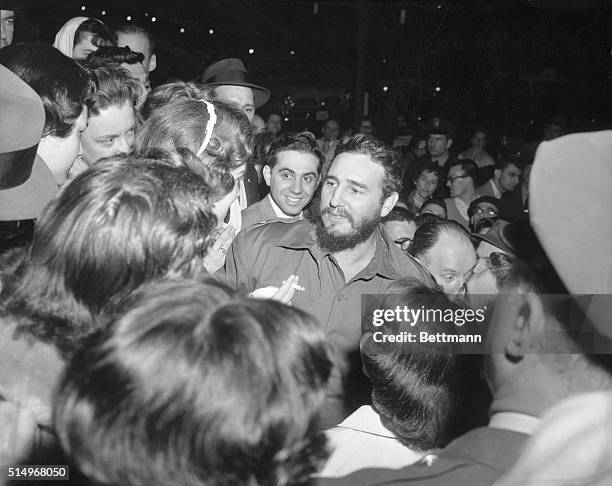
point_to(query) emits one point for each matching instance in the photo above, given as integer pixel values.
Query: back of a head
(123, 222)
(113, 57)
(168, 92)
(191, 384)
(63, 86)
(184, 123)
(417, 388)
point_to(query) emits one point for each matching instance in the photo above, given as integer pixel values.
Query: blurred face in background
(7, 27)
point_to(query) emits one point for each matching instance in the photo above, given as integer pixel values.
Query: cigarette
(297, 287)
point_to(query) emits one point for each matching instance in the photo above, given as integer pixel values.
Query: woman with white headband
(81, 36)
(219, 135)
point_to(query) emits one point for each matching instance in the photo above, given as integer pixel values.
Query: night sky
(508, 63)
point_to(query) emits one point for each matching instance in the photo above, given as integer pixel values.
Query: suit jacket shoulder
(477, 458)
(257, 213)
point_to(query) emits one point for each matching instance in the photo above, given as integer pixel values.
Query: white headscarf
(64, 39)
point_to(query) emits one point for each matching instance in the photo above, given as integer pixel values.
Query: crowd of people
(192, 295)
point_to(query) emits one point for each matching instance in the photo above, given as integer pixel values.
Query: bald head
(445, 249)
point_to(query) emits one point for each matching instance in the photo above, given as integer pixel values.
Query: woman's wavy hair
(182, 124)
(122, 223)
(115, 88)
(191, 384)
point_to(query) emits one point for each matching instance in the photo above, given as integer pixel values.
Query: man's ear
(267, 174)
(449, 142)
(319, 177)
(528, 327)
(389, 203)
(497, 174)
(153, 63)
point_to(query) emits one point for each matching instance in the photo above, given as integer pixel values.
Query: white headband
(210, 125)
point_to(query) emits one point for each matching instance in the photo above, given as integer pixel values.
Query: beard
(333, 242)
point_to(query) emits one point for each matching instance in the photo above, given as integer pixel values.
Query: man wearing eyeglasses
(462, 188)
(483, 212)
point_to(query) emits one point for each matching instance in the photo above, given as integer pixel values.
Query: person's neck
(468, 196)
(532, 389)
(355, 259)
(418, 200)
(440, 159)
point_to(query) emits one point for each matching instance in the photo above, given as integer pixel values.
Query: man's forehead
(295, 160)
(135, 41)
(358, 167)
(242, 95)
(486, 205)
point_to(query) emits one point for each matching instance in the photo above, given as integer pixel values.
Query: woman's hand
(215, 258)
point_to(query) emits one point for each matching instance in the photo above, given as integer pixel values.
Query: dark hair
(115, 88)
(501, 266)
(63, 86)
(417, 389)
(437, 201)
(101, 35)
(468, 166)
(113, 57)
(298, 142)
(379, 153)
(432, 167)
(168, 92)
(182, 123)
(421, 219)
(137, 29)
(121, 223)
(399, 214)
(505, 160)
(428, 234)
(192, 384)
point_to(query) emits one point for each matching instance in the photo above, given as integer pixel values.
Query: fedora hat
(569, 206)
(232, 72)
(22, 118)
(26, 184)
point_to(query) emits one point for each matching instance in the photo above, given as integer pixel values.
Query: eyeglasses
(453, 179)
(488, 212)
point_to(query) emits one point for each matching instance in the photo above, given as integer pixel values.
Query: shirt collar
(365, 419)
(278, 211)
(306, 238)
(515, 422)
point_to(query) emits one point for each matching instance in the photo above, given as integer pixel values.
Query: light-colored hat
(570, 207)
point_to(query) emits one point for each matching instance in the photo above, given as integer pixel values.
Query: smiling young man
(292, 172)
(339, 257)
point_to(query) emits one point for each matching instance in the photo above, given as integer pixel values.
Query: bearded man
(324, 266)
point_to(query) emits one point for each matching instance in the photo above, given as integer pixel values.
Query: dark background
(508, 63)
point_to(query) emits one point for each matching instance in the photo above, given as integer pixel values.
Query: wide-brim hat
(22, 119)
(570, 204)
(517, 238)
(232, 72)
